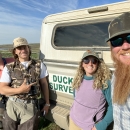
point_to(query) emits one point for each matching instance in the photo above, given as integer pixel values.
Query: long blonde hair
(101, 76)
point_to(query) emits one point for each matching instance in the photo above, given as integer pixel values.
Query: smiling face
(22, 53)
(122, 52)
(121, 57)
(90, 64)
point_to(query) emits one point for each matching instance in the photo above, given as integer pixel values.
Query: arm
(45, 91)
(108, 118)
(44, 86)
(5, 89)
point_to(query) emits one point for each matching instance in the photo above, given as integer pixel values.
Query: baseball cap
(90, 53)
(19, 42)
(119, 26)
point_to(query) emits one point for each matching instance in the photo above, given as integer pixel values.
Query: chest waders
(22, 113)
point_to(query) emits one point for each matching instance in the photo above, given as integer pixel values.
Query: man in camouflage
(22, 81)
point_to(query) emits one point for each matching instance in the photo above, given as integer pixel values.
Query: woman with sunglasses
(92, 106)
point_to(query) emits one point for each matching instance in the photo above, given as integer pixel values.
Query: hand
(45, 109)
(94, 128)
(25, 88)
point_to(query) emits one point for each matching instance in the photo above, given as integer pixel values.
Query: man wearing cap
(22, 81)
(119, 40)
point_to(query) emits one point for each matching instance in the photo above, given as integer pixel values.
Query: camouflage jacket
(32, 74)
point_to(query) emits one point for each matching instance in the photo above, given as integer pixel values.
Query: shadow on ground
(47, 125)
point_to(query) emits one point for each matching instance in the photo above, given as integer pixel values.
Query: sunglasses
(93, 60)
(118, 41)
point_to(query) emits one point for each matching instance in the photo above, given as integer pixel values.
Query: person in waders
(23, 81)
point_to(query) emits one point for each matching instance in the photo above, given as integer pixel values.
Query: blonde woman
(92, 106)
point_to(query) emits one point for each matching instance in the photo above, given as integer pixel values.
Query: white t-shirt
(6, 76)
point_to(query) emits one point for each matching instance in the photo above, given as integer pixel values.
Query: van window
(84, 35)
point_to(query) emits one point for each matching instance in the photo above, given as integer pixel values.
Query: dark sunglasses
(118, 41)
(93, 60)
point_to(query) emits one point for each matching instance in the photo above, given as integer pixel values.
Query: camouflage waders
(21, 112)
(32, 74)
(31, 124)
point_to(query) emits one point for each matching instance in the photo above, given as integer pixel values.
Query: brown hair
(16, 56)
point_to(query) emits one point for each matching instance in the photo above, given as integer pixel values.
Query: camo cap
(119, 26)
(90, 53)
(19, 42)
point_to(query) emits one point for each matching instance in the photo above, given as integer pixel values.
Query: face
(90, 65)
(121, 48)
(22, 52)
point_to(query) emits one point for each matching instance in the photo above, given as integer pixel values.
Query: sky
(23, 18)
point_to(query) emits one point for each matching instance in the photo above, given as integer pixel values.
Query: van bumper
(59, 115)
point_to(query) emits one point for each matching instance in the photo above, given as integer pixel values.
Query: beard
(122, 82)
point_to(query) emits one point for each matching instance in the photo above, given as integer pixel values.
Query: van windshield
(84, 35)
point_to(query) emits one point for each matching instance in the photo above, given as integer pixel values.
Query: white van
(64, 38)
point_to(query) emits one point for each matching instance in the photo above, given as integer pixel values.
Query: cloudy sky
(24, 17)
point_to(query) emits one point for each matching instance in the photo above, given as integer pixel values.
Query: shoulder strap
(38, 67)
(4, 60)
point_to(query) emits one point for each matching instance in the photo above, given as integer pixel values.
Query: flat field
(6, 50)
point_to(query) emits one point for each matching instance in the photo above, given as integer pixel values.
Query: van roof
(92, 11)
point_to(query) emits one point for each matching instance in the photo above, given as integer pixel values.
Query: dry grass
(47, 125)
(8, 47)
